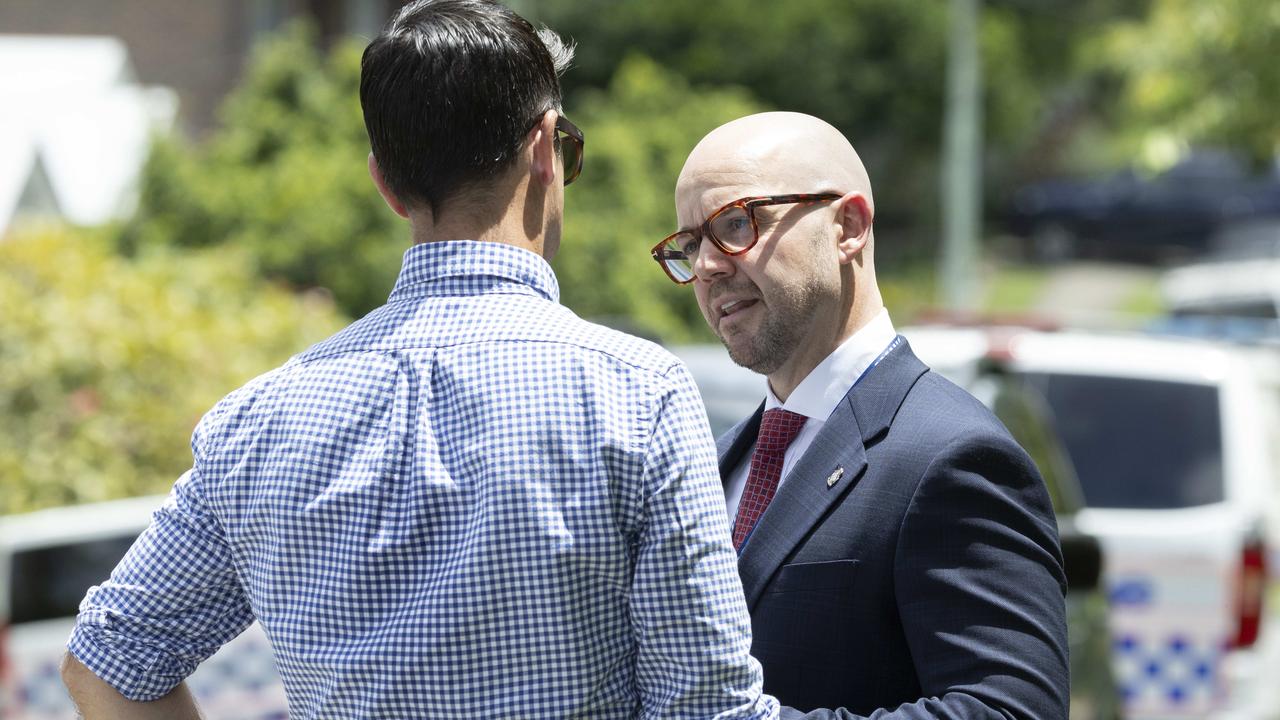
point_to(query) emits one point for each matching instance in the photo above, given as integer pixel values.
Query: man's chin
(744, 354)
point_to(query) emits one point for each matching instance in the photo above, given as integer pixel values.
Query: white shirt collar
(826, 385)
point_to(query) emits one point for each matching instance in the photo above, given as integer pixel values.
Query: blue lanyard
(897, 342)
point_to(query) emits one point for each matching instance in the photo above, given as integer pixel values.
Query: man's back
(469, 502)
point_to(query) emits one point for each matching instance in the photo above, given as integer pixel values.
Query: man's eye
(690, 247)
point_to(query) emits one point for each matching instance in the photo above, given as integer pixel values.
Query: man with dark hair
(470, 503)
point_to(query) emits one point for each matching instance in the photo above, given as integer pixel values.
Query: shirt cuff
(137, 671)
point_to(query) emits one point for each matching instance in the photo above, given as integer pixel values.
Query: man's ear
(853, 216)
(542, 145)
(393, 202)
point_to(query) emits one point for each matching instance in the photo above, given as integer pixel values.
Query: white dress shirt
(817, 396)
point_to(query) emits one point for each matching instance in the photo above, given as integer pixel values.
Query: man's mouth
(732, 307)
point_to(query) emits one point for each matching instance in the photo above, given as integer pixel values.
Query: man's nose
(711, 263)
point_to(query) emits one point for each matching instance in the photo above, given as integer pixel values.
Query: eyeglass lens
(571, 155)
(732, 227)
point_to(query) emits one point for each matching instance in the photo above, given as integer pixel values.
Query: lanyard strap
(897, 342)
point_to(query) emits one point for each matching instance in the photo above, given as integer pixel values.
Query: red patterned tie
(777, 429)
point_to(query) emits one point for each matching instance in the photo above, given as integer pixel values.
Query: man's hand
(97, 700)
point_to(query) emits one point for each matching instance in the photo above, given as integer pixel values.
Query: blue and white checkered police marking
(1170, 670)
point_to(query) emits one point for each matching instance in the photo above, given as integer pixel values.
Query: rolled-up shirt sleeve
(173, 600)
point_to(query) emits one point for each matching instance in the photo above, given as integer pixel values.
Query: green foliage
(283, 179)
(873, 68)
(1199, 73)
(106, 363)
(876, 69)
(847, 62)
(638, 132)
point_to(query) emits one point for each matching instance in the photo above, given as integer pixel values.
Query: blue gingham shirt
(469, 503)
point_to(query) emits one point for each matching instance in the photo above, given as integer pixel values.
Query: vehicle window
(50, 582)
(1028, 418)
(1262, 308)
(1141, 444)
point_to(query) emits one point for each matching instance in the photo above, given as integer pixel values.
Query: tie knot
(778, 428)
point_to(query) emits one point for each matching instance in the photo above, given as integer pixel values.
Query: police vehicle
(1176, 443)
(48, 560)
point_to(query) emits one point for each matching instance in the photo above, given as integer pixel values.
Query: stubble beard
(782, 332)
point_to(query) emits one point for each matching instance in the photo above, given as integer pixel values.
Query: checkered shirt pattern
(470, 503)
(778, 428)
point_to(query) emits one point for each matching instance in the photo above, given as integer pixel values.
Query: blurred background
(184, 204)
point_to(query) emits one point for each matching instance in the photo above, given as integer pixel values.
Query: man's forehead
(705, 190)
(714, 181)
(754, 161)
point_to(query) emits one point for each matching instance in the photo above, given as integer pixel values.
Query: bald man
(897, 547)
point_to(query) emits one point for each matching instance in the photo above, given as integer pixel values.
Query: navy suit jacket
(926, 581)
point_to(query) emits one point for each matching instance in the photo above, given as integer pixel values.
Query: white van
(1234, 298)
(1177, 446)
(48, 560)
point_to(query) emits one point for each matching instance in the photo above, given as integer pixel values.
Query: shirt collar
(826, 385)
(470, 267)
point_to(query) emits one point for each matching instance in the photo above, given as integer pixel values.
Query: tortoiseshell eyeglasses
(732, 229)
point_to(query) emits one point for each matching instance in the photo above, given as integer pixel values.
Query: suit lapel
(805, 497)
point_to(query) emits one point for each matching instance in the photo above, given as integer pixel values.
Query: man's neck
(513, 211)
(787, 378)
(506, 230)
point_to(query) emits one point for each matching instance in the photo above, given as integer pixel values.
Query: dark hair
(449, 90)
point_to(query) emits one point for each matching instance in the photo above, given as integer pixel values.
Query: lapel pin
(834, 477)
